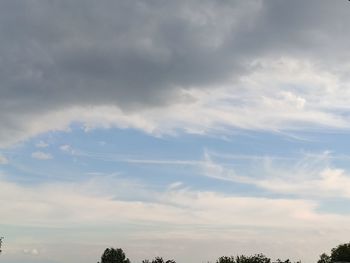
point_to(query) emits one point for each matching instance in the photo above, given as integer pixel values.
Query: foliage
(285, 261)
(112, 255)
(158, 260)
(225, 259)
(258, 258)
(341, 253)
(1, 238)
(324, 258)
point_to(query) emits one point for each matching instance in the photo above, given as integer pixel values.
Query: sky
(183, 129)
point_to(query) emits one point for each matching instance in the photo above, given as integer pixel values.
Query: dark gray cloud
(134, 54)
(114, 52)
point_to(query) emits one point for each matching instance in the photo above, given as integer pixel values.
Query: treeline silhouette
(341, 253)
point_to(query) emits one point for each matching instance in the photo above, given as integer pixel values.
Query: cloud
(42, 144)
(312, 176)
(33, 251)
(67, 148)
(175, 185)
(173, 216)
(167, 220)
(41, 156)
(92, 203)
(200, 68)
(3, 160)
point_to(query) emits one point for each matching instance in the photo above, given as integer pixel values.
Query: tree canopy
(258, 258)
(341, 253)
(158, 260)
(114, 255)
(324, 258)
(1, 238)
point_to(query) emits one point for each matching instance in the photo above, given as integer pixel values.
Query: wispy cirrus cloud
(304, 175)
(311, 176)
(42, 155)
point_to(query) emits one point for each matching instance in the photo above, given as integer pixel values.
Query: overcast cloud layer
(61, 61)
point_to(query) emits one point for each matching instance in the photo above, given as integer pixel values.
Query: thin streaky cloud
(41, 155)
(311, 176)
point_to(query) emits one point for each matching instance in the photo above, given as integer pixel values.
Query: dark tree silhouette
(258, 258)
(285, 261)
(158, 260)
(340, 253)
(112, 255)
(1, 238)
(225, 259)
(324, 258)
